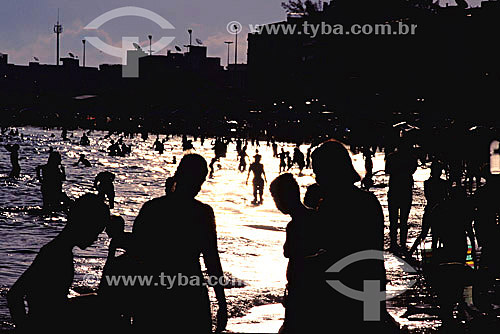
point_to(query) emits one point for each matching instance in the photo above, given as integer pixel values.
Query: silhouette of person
(350, 221)
(52, 176)
(487, 228)
(275, 149)
(313, 196)
(243, 159)
(299, 245)
(119, 238)
(298, 158)
(84, 141)
(258, 181)
(170, 233)
(114, 149)
(14, 160)
(400, 165)
(436, 191)
(283, 157)
(84, 161)
(103, 182)
(452, 225)
(158, 146)
(45, 284)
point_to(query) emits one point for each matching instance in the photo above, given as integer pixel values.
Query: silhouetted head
(457, 193)
(190, 175)
(436, 169)
(332, 166)
(87, 218)
(54, 158)
(115, 227)
(313, 196)
(15, 147)
(286, 193)
(82, 156)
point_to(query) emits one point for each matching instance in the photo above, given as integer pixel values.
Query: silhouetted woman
(350, 221)
(169, 235)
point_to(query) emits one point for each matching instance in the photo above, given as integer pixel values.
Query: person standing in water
(14, 160)
(300, 245)
(258, 182)
(52, 176)
(169, 236)
(243, 159)
(350, 221)
(103, 182)
(400, 165)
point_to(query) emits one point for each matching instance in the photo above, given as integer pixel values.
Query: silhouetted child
(45, 284)
(14, 160)
(119, 238)
(300, 244)
(103, 182)
(313, 196)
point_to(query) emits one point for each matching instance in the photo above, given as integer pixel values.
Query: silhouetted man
(259, 177)
(45, 284)
(14, 160)
(400, 165)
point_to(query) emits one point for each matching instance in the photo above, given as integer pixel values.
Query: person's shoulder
(364, 196)
(204, 207)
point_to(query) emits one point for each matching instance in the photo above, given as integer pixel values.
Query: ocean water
(250, 238)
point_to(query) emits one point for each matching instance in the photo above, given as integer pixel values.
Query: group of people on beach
(335, 219)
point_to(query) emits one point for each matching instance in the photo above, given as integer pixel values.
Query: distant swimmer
(158, 146)
(14, 159)
(258, 182)
(52, 176)
(103, 182)
(84, 141)
(84, 161)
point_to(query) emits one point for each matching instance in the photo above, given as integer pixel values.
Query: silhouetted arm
(214, 268)
(248, 176)
(15, 298)
(38, 169)
(426, 219)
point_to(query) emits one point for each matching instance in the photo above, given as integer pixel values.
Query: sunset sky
(27, 25)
